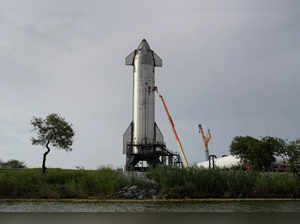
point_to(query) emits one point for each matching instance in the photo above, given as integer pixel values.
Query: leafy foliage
(245, 148)
(292, 155)
(54, 130)
(260, 154)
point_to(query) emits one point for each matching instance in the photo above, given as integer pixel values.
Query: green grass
(171, 182)
(59, 183)
(218, 183)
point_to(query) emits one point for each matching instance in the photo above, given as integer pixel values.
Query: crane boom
(205, 139)
(172, 126)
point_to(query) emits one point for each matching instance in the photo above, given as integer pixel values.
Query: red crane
(172, 126)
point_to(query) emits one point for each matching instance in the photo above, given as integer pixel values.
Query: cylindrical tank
(143, 97)
(232, 161)
(222, 162)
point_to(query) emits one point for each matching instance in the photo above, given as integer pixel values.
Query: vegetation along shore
(159, 183)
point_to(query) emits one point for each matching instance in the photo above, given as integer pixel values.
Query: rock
(128, 195)
(227, 194)
(132, 188)
(137, 192)
(125, 188)
(152, 191)
(140, 197)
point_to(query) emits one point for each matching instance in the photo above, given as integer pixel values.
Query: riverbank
(160, 184)
(142, 207)
(164, 201)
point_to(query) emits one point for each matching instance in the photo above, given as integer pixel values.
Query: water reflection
(149, 218)
(228, 207)
(155, 213)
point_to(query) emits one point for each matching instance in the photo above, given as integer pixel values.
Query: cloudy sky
(230, 65)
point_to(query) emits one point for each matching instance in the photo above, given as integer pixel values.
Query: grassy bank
(59, 183)
(171, 183)
(218, 183)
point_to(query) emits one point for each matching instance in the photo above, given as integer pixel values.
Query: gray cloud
(232, 66)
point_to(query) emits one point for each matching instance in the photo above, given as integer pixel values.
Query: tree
(245, 148)
(52, 131)
(272, 147)
(13, 163)
(291, 153)
(259, 154)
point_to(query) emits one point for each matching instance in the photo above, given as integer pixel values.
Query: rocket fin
(129, 60)
(159, 138)
(127, 137)
(157, 60)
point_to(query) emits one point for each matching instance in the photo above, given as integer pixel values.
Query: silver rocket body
(143, 98)
(143, 139)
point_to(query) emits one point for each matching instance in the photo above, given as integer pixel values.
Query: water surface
(254, 212)
(152, 207)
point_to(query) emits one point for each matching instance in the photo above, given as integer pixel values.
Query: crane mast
(205, 139)
(172, 126)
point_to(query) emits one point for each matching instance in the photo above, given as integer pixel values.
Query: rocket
(142, 140)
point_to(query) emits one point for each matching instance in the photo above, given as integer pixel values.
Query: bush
(240, 183)
(171, 183)
(211, 183)
(58, 183)
(12, 164)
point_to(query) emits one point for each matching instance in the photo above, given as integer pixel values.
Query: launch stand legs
(211, 160)
(153, 155)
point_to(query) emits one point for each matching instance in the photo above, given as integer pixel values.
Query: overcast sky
(232, 66)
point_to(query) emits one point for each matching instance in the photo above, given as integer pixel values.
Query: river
(197, 212)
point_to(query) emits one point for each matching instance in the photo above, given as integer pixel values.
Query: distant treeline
(260, 153)
(12, 164)
(169, 182)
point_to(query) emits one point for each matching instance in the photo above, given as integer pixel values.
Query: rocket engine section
(143, 141)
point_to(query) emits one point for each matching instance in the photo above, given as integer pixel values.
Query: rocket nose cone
(144, 45)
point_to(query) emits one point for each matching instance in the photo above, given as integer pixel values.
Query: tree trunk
(44, 157)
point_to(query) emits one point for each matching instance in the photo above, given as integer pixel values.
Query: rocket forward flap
(159, 138)
(157, 60)
(129, 60)
(127, 137)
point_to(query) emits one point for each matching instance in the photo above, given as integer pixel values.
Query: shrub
(171, 183)
(199, 183)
